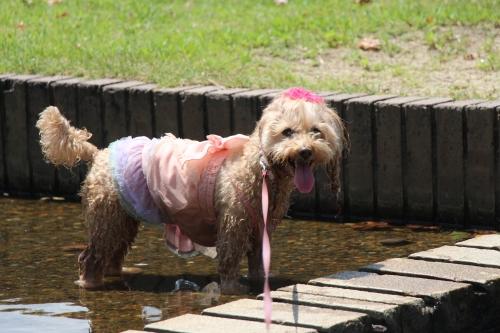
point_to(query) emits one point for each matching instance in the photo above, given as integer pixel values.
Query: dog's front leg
(233, 241)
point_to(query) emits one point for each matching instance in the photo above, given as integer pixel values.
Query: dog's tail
(63, 144)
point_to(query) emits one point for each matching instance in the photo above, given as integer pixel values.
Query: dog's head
(298, 132)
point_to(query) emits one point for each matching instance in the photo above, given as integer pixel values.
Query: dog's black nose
(305, 152)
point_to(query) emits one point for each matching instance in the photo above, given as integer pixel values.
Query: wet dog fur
(291, 133)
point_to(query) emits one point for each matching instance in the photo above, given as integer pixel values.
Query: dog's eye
(315, 130)
(287, 132)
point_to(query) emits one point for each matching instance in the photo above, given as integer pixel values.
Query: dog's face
(297, 135)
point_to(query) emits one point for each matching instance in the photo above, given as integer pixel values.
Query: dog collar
(265, 167)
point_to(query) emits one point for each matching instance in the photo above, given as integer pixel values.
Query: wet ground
(39, 247)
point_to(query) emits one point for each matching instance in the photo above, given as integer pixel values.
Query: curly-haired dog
(204, 194)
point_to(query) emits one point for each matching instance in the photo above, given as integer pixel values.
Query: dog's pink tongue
(304, 178)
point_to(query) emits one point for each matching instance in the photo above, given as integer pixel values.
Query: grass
(231, 43)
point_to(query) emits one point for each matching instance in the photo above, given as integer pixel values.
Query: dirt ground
(458, 62)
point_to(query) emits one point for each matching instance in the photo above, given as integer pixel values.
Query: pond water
(40, 242)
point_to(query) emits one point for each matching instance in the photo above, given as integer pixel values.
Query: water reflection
(40, 242)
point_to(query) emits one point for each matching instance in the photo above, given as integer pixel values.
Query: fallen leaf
(371, 225)
(21, 26)
(280, 2)
(54, 2)
(188, 4)
(418, 227)
(471, 56)
(409, 23)
(370, 44)
(362, 1)
(65, 14)
(429, 19)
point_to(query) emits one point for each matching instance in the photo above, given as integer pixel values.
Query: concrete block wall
(412, 159)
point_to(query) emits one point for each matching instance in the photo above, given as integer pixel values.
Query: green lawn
(232, 43)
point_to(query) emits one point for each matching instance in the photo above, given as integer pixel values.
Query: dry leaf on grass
(370, 44)
(54, 2)
(21, 26)
(280, 2)
(471, 56)
(362, 1)
(62, 15)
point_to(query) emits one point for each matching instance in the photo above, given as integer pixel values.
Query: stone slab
(141, 110)
(3, 139)
(64, 98)
(450, 157)
(360, 123)
(220, 111)
(488, 242)
(194, 115)
(461, 255)
(323, 320)
(485, 278)
(190, 323)
(90, 108)
(16, 140)
(39, 97)
(481, 160)
(116, 113)
(168, 111)
(387, 315)
(418, 152)
(247, 110)
(450, 301)
(389, 156)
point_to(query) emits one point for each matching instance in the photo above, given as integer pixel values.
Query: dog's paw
(234, 288)
(89, 284)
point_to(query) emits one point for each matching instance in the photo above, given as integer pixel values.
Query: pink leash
(266, 253)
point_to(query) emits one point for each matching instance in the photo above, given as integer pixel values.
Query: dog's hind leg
(117, 257)
(111, 230)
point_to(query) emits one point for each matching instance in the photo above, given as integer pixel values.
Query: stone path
(451, 289)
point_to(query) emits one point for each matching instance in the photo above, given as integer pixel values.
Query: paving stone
(450, 302)
(461, 255)
(488, 242)
(418, 153)
(324, 204)
(115, 110)
(39, 97)
(190, 323)
(450, 168)
(247, 110)
(194, 115)
(220, 111)
(485, 278)
(141, 110)
(359, 118)
(407, 316)
(16, 142)
(323, 320)
(64, 98)
(389, 156)
(481, 152)
(168, 111)
(3, 178)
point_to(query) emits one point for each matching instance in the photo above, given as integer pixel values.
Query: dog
(204, 194)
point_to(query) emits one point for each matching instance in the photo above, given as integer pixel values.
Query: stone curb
(412, 158)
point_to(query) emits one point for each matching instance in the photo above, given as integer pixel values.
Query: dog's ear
(341, 146)
(333, 171)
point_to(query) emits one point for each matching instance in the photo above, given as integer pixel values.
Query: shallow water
(38, 270)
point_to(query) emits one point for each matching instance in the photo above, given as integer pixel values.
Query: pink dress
(171, 182)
